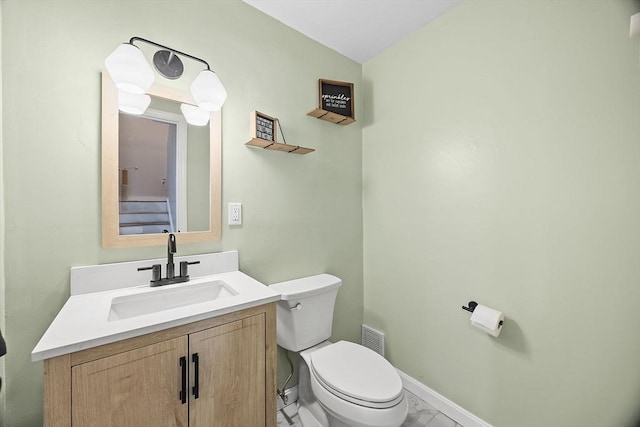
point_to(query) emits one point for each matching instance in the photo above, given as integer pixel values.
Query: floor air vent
(373, 339)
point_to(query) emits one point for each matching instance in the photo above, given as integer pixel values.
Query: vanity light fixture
(208, 91)
(129, 69)
(195, 115)
(132, 74)
(133, 103)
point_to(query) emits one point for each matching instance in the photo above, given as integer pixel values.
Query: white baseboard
(441, 403)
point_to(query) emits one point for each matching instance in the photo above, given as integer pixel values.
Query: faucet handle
(184, 267)
(156, 272)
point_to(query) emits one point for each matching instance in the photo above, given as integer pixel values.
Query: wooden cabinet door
(137, 388)
(231, 380)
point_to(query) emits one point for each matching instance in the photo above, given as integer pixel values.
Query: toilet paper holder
(472, 306)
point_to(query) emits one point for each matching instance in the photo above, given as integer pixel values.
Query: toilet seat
(357, 374)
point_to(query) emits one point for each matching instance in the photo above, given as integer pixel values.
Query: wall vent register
(373, 339)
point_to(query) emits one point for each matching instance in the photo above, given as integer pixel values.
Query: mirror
(158, 172)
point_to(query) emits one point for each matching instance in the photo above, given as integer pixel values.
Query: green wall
(501, 163)
(496, 157)
(52, 56)
(2, 246)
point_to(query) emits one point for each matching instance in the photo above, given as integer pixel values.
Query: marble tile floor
(421, 414)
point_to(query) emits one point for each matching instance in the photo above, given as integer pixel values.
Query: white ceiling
(358, 29)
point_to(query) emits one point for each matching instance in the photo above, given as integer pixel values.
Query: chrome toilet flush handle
(298, 306)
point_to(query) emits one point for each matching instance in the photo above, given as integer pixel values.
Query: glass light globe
(129, 69)
(195, 115)
(133, 103)
(208, 92)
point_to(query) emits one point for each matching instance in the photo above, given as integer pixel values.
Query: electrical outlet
(235, 213)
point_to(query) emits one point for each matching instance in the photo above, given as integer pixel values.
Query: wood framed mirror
(159, 174)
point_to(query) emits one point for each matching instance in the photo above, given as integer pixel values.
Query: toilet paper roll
(487, 319)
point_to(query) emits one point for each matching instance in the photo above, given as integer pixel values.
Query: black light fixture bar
(195, 58)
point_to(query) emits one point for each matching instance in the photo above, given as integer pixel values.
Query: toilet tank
(305, 310)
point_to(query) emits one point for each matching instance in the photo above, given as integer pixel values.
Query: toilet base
(307, 419)
(313, 414)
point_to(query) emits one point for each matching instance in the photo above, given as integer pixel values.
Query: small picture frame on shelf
(264, 129)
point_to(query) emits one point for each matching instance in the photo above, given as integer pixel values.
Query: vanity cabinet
(214, 372)
(231, 385)
(137, 387)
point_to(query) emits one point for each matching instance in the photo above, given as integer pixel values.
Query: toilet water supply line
(282, 392)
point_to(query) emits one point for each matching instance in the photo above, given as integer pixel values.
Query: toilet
(340, 384)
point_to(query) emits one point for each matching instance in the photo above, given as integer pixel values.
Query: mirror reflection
(158, 172)
(163, 171)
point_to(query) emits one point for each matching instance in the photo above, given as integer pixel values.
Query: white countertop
(83, 320)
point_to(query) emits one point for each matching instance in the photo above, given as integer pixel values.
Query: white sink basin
(125, 307)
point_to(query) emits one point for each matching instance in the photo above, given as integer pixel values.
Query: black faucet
(171, 249)
(156, 275)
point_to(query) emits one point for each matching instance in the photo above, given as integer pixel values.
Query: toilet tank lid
(306, 286)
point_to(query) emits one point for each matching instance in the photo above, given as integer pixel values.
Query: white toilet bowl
(354, 385)
(340, 384)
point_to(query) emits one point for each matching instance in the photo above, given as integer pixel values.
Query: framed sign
(264, 128)
(336, 102)
(336, 97)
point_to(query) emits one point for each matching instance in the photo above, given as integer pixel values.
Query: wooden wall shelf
(270, 145)
(264, 134)
(338, 119)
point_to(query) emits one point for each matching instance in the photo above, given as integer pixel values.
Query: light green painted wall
(508, 131)
(302, 214)
(502, 164)
(2, 246)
